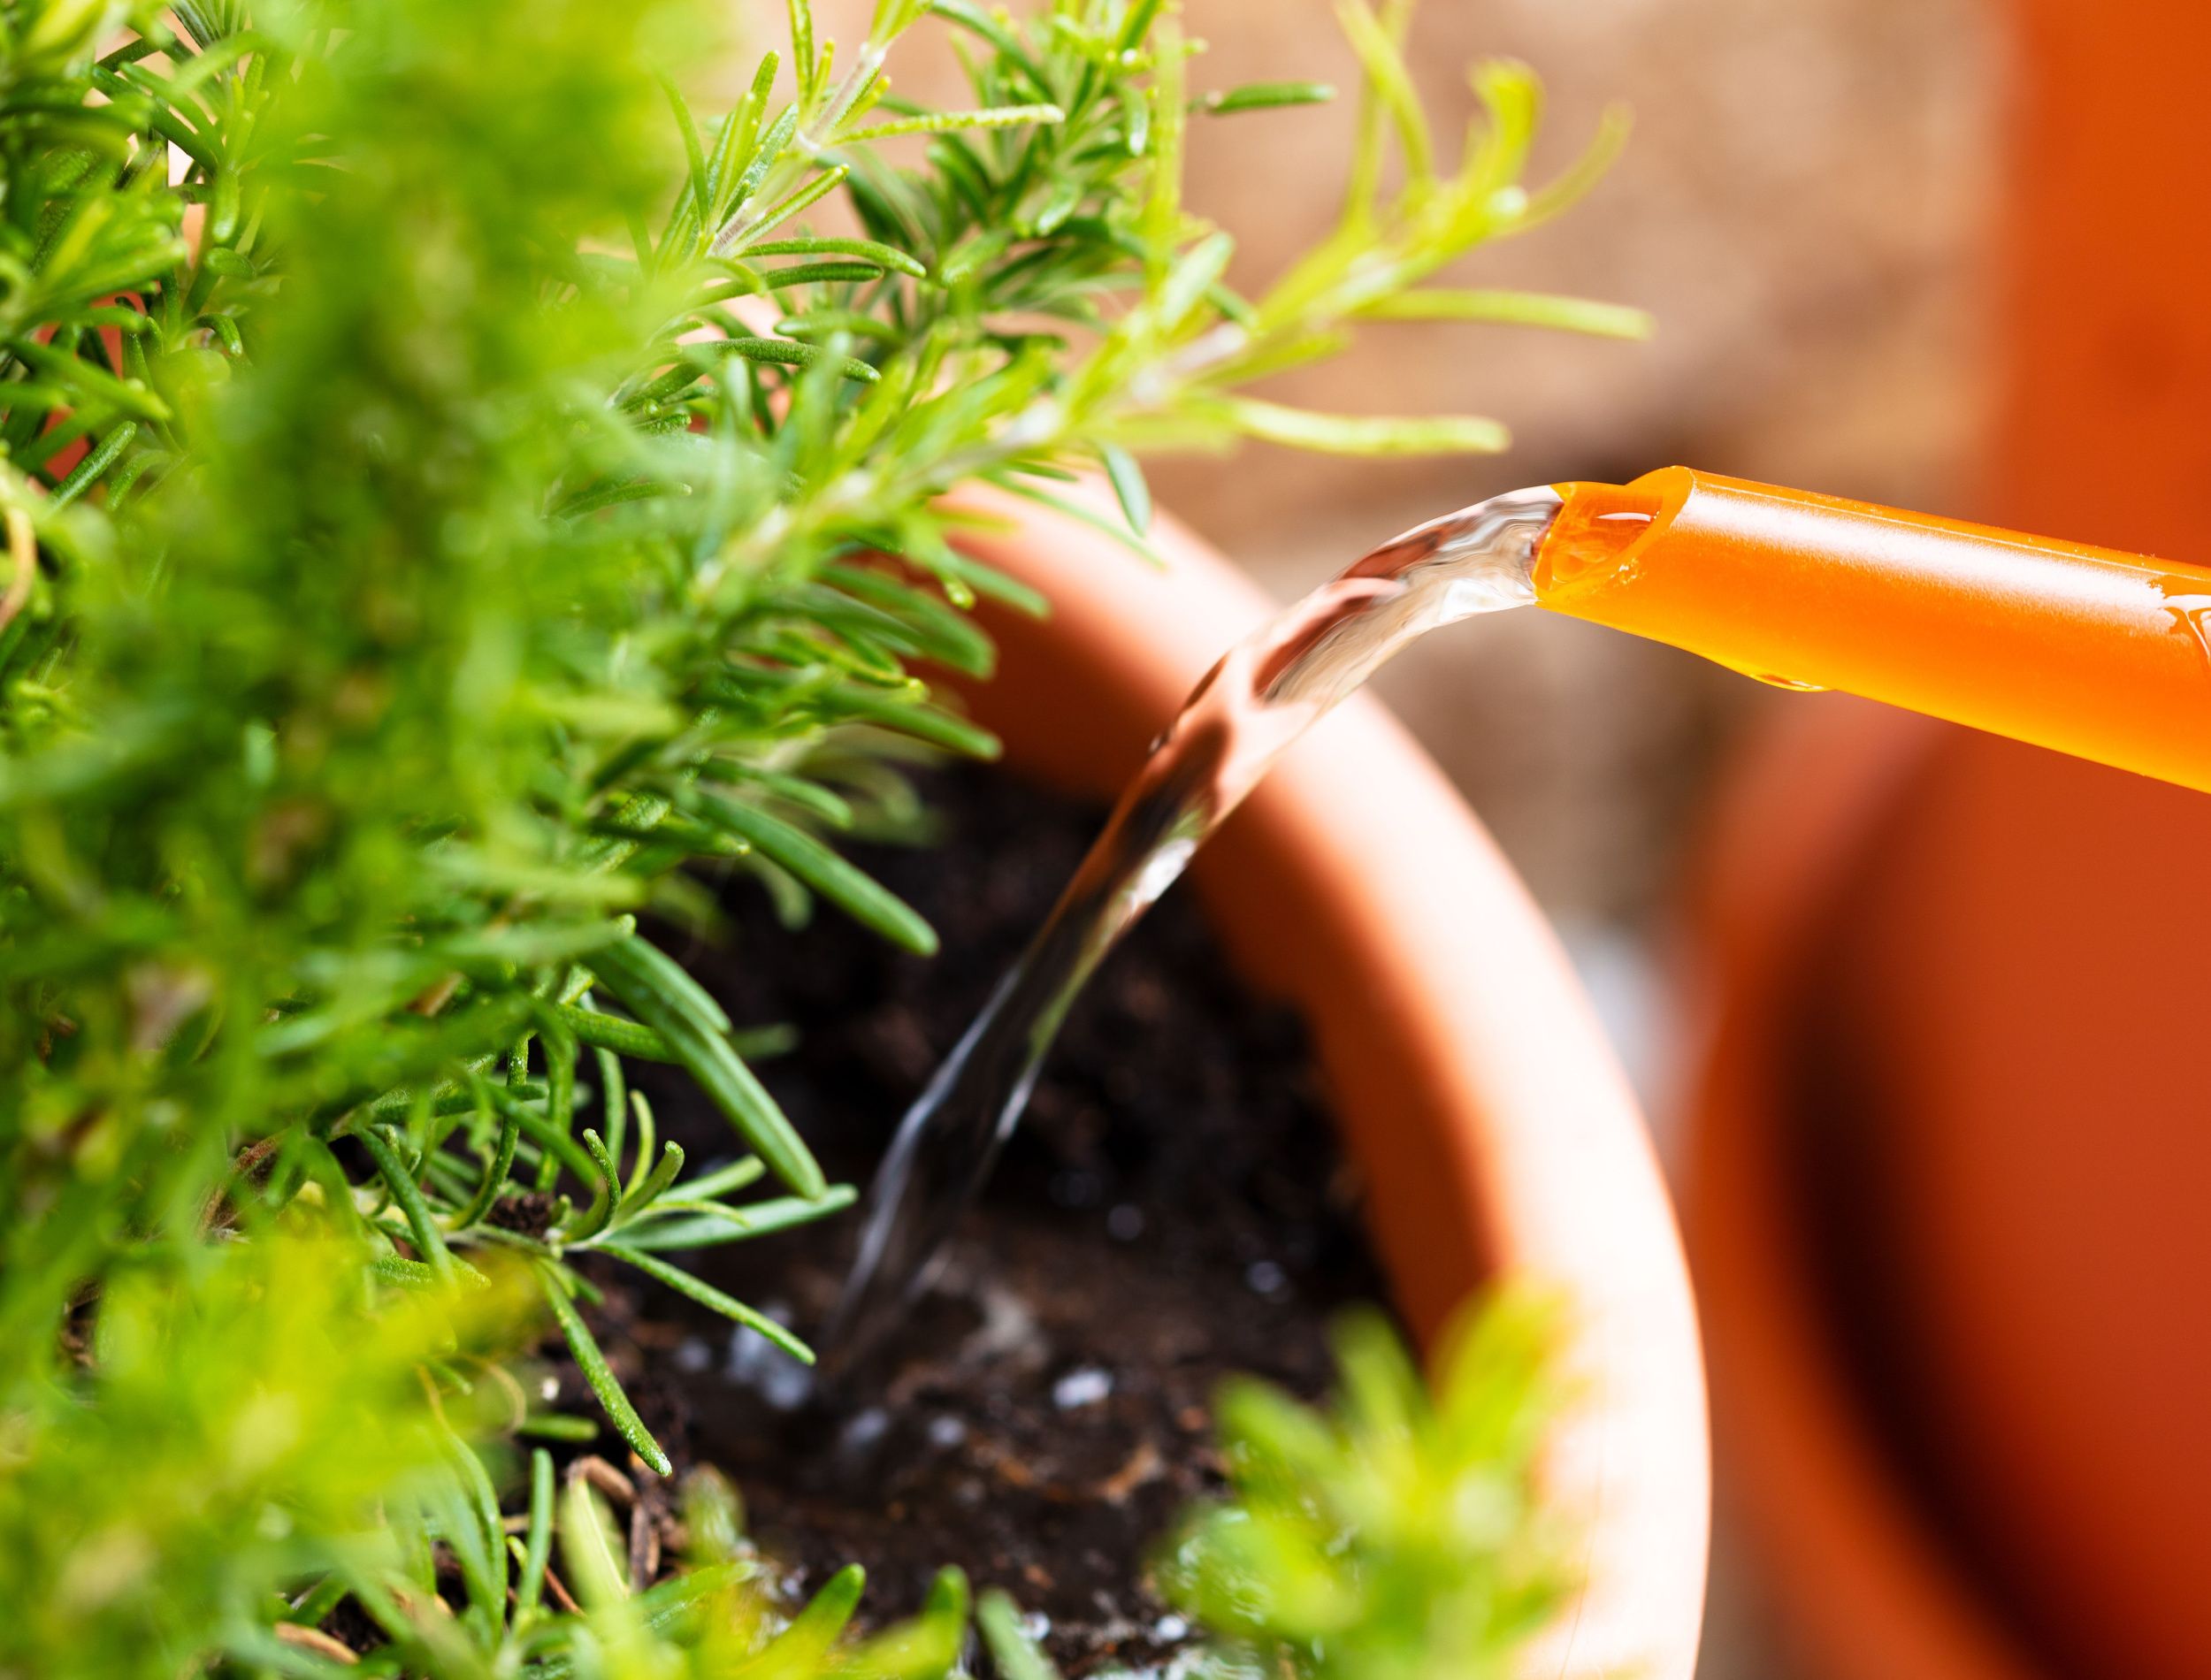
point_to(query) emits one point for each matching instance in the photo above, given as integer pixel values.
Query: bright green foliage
(439, 480)
(1392, 1537)
(261, 1419)
(1395, 1536)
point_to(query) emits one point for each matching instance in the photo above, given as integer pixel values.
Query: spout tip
(1595, 527)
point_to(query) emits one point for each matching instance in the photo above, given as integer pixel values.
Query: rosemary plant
(445, 480)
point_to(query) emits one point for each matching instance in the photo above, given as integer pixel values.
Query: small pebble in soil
(1085, 1386)
(1124, 1223)
(1265, 1277)
(1076, 1189)
(861, 1432)
(755, 1363)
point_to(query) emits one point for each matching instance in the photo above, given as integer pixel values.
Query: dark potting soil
(1175, 1209)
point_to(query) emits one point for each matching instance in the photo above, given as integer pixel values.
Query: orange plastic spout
(2089, 651)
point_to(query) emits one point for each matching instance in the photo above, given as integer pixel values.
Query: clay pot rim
(1859, 1565)
(1465, 1045)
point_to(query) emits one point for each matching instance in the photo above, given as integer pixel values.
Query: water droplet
(2193, 612)
(1788, 682)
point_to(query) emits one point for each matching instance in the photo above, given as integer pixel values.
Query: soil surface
(1175, 1209)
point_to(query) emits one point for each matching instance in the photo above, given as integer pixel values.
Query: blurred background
(1913, 1011)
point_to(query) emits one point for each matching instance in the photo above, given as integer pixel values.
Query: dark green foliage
(444, 492)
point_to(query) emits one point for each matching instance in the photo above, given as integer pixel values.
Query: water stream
(1266, 692)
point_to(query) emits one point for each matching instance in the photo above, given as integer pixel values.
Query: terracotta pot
(1476, 1089)
(1946, 1180)
(1867, 1582)
(1948, 1145)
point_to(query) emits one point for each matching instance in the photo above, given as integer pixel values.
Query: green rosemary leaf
(800, 198)
(412, 1274)
(557, 1426)
(940, 633)
(1367, 435)
(641, 963)
(944, 122)
(667, 1609)
(536, 1550)
(1126, 535)
(1266, 95)
(1193, 278)
(882, 256)
(818, 274)
(648, 1190)
(805, 1646)
(1518, 309)
(707, 1295)
(98, 459)
(379, 1142)
(767, 148)
(723, 1179)
(1389, 84)
(1013, 1653)
(694, 150)
(591, 1556)
(788, 353)
(611, 1032)
(812, 797)
(613, 1103)
(931, 1643)
(849, 888)
(823, 324)
(498, 1168)
(663, 997)
(596, 1371)
(129, 396)
(709, 1228)
(606, 1194)
(802, 60)
(558, 1147)
(913, 717)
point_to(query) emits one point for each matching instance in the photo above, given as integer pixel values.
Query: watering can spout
(2095, 653)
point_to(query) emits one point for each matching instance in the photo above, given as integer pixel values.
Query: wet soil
(1175, 1209)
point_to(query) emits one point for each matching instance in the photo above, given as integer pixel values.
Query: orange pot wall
(2032, 966)
(1997, 956)
(2100, 432)
(2020, 987)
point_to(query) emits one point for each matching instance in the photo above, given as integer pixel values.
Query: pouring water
(1265, 693)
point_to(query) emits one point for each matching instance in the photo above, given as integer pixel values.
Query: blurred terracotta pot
(1950, 1149)
(1951, 1137)
(1478, 1094)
